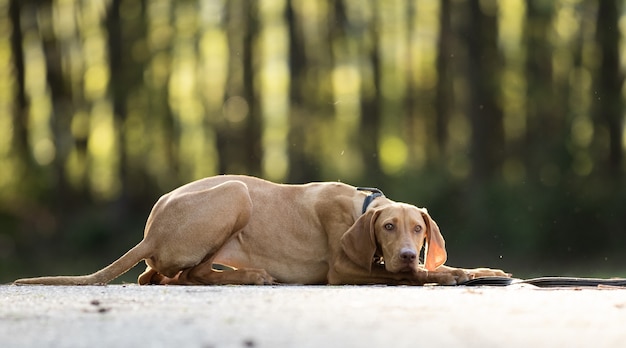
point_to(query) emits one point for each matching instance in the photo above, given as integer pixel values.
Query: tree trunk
(444, 97)
(371, 112)
(484, 113)
(608, 101)
(540, 85)
(20, 114)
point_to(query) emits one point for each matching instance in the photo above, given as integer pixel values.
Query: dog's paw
(486, 272)
(258, 277)
(448, 277)
(460, 276)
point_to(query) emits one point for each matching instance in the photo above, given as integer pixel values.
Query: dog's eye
(418, 229)
(389, 227)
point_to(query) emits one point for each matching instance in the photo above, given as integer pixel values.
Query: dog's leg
(474, 272)
(346, 272)
(205, 274)
(207, 220)
(150, 276)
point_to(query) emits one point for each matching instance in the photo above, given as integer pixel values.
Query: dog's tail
(103, 276)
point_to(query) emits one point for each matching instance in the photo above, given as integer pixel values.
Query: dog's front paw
(449, 277)
(460, 276)
(487, 272)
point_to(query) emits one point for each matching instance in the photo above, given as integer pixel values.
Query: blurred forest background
(504, 117)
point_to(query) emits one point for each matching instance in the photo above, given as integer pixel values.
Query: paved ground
(310, 316)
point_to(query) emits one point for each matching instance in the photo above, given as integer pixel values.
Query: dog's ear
(359, 241)
(435, 250)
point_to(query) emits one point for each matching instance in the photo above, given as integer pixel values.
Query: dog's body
(315, 233)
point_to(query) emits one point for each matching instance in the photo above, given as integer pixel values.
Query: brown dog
(318, 233)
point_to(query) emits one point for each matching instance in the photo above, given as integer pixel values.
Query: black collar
(374, 193)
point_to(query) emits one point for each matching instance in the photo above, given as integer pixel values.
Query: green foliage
(504, 118)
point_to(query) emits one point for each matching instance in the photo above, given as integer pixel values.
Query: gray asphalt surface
(310, 316)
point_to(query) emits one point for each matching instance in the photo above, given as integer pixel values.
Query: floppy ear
(359, 241)
(435, 249)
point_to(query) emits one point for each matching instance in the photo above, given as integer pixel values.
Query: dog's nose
(408, 255)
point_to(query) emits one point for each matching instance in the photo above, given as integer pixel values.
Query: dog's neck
(371, 197)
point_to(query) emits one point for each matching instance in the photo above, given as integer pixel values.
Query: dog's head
(397, 232)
